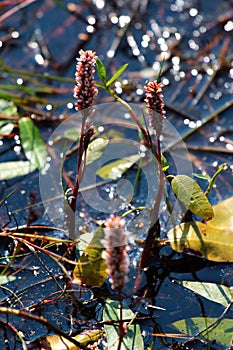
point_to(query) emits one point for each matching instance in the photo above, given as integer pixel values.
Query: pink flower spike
(116, 256)
(85, 90)
(155, 104)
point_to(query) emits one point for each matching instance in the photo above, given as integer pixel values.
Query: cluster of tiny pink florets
(116, 256)
(155, 105)
(85, 90)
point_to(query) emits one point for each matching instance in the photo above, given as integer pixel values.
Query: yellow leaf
(91, 267)
(57, 342)
(213, 243)
(223, 215)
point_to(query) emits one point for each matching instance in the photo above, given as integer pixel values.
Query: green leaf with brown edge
(115, 169)
(213, 243)
(190, 193)
(32, 143)
(91, 267)
(212, 291)
(132, 340)
(117, 74)
(10, 170)
(222, 332)
(96, 149)
(223, 215)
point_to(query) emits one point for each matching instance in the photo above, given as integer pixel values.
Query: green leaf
(165, 165)
(133, 339)
(100, 86)
(71, 135)
(91, 267)
(8, 108)
(213, 179)
(214, 292)
(117, 74)
(6, 279)
(101, 71)
(115, 169)
(190, 193)
(95, 150)
(213, 243)
(10, 170)
(202, 177)
(6, 128)
(32, 143)
(223, 215)
(222, 332)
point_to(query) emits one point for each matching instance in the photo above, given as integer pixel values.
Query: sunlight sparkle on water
(123, 20)
(19, 81)
(70, 105)
(91, 20)
(114, 19)
(39, 59)
(90, 29)
(212, 139)
(15, 34)
(49, 107)
(194, 72)
(99, 4)
(193, 12)
(229, 147)
(228, 26)
(193, 45)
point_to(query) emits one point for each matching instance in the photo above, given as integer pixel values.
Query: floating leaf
(8, 108)
(6, 279)
(96, 149)
(57, 342)
(10, 170)
(213, 243)
(71, 135)
(101, 71)
(32, 143)
(214, 292)
(222, 332)
(115, 169)
(117, 74)
(6, 128)
(91, 267)
(190, 193)
(223, 215)
(133, 339)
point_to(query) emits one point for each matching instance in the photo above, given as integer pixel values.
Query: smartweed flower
(85, 90)
(155, 105)
(116, 256)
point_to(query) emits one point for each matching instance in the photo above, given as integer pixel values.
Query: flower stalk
(84, 93)
(117, 260)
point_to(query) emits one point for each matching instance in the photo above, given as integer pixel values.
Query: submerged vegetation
(132, 249)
